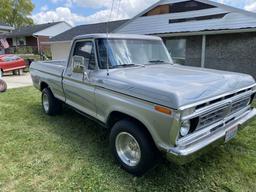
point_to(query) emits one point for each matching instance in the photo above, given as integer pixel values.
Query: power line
(110, 15)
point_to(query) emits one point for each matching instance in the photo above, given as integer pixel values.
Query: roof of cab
(117, 36)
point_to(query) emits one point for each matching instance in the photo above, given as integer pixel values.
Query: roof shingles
(29, 30)
(87, 29)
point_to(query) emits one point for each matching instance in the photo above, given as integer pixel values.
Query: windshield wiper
(126, 65)
(158, 61)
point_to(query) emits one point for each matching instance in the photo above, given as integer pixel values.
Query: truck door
(78, 89)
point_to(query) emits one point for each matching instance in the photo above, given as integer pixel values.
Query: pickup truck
(151, 106)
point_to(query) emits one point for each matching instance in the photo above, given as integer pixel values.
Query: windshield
(130, 52)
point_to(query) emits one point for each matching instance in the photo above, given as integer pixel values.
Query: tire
(15, 72)
(20, 72)
(3, 86)
(147, 154)
(50, 104)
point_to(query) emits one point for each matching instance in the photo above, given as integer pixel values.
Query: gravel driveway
(15, 81)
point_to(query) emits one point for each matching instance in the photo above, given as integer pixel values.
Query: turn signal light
(163, 110)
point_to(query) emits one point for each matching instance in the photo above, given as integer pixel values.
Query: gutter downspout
(38, 46)
(203, 51)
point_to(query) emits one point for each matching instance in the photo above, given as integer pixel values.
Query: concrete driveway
(15, 81)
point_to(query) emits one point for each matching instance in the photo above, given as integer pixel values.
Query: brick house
(29, 39)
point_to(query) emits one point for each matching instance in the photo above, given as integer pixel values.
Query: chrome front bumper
(186, 152)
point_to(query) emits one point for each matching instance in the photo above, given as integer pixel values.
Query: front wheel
(51, 105)
(132, 147)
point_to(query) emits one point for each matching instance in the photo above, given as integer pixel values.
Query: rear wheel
(133, 149)
(51, 105)
(20, 72)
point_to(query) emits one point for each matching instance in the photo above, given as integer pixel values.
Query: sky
(77, 12)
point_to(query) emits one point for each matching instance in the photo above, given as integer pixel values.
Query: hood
(175, 85)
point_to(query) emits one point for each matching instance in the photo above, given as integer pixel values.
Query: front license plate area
(231, 133)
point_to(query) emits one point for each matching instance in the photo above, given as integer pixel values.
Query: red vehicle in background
(12, 63)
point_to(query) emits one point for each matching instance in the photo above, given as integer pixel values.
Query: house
(4, 28)
(30, 38)
(201, 33)
(60, 44)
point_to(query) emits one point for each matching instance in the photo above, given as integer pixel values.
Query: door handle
(85, 76)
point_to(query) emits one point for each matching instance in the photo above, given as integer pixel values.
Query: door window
(85, 49)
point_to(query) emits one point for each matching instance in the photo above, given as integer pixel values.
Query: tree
(16, 12)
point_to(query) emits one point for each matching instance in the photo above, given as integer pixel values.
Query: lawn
(71, 153)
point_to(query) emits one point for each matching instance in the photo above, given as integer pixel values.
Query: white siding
(157, 24)
(5, 28)
(60, 51)
(3, 31)
(54, 30)
(160, 24)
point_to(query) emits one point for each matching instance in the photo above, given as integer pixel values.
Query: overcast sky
(78, 12)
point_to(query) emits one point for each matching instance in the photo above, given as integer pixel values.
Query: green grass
(71, 153)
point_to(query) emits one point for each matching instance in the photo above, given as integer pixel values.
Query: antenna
(107, 29)
(118, 7)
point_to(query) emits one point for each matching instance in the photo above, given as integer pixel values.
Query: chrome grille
(240, 104)
(222, 112)
(212, 117)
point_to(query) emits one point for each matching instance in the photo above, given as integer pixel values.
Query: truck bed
(49, 72)
(55, 67)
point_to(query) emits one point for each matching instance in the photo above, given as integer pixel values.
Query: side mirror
(78, 64)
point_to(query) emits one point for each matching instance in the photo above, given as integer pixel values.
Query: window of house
(20, 41)
(177, 49)
(189, 6)
(162, 9)
(178, 7)
(208, 17)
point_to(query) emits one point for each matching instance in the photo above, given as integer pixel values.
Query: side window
(85, 49)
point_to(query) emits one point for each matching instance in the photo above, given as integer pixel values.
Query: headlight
(185, 128)
(188, 111)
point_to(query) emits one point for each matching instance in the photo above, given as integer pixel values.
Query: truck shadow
(93, 143)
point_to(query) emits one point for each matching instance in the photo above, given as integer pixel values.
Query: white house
(201, 33)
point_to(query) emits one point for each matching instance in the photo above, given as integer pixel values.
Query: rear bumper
(14, 68)
(186, 153)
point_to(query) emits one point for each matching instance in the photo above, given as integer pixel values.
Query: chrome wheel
(128, 149)
(45, 102)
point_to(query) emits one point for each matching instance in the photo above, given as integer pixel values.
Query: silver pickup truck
(130, 85)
